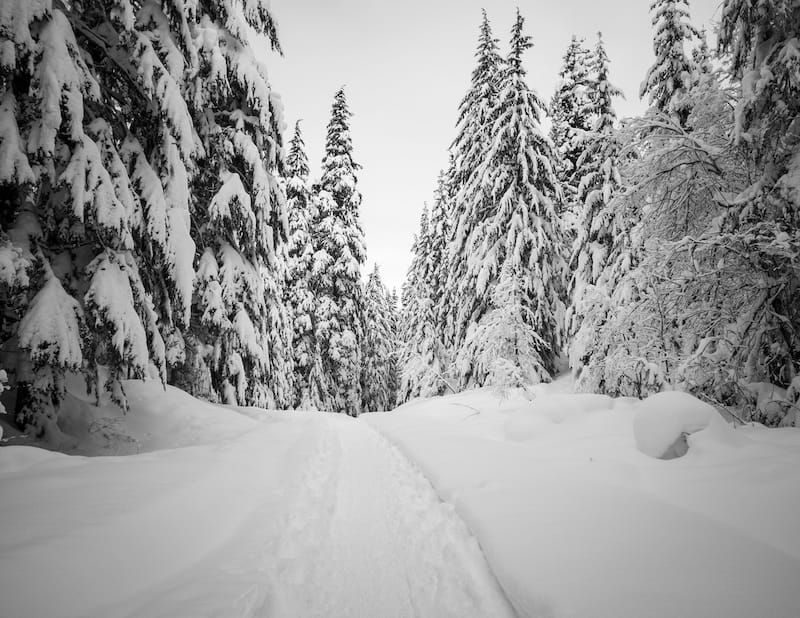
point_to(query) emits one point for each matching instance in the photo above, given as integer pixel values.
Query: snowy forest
(158, 223)
(654, 253)
(217, 398)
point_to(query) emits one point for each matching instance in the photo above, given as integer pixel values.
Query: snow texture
(260, 513)
(576, 521)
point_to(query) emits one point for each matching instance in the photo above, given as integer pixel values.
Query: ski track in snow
(371, 538)
(356, 531)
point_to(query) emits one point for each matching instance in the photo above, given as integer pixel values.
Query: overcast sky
(406, 64)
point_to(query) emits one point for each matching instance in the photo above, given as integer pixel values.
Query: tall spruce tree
(670, 76)
(425, 360)
(243, 331)
(598, 181)
(299, 294)
(436, 272)
(339, 255)
(468, 149)
(518, 234)
(96, 143)
(378, 384)
(416, 322)
(107, 110)
(571, 113)
(393, 387)
(701, 56)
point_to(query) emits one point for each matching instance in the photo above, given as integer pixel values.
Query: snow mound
(663, 421)
(159, 418)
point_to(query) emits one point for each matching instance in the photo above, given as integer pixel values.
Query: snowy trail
(373, 539)
(307, 514)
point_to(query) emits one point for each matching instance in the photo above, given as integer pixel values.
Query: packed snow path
(376, 540)
(278, 516)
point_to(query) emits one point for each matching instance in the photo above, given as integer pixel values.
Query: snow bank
(578, 517)
(158, 418)
(184, 529)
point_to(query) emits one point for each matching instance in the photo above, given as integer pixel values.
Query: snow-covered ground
(577, 516)
(216, 511)
(231, 513)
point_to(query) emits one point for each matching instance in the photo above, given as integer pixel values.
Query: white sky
(406, 64)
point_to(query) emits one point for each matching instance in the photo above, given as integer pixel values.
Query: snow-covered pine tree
(299, 295)
(378, 347)
(339, 255)
(670, 76)
(436, 272)
(472, 141)
(571, 112)
(415, 322)
(424, 359)
(518, 233)
(240, 326)
(504, 350)
(393, 311)
(96, 143)
(701, 56)
(598, 180)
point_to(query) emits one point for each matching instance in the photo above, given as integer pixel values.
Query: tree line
(651, 253)
(151, 226)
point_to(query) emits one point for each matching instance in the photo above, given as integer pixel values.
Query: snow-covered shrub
(664, 419)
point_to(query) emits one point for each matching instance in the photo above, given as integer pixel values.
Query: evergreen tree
(299, 295)
(415, 323)
(116, 143)
(243, 331)
(670, 77)
(436, 272)
(94, 245)
(378, 347)
(571, 113)
(468, 149)
(393, 386)
(421, 366)
(425, 358)
(340, 252)
(504, 350)
(519, 233)
(598, 181)
(701, 56)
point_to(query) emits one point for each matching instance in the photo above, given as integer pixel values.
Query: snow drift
(578, 515)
